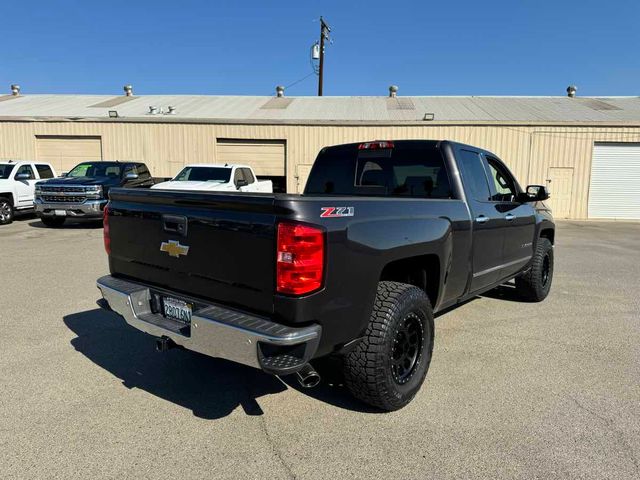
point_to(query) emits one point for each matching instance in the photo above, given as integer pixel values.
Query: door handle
(509, 217)
(482, 219)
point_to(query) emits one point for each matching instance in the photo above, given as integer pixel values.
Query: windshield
(204, 174)
(96, 169)
(5, 170)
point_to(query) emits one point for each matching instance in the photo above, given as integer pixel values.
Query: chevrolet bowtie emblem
(174, 249)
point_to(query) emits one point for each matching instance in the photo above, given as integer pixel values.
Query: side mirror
(535, 193)
(64, 174)
(22, 176)
(241, 182)
(131, 176)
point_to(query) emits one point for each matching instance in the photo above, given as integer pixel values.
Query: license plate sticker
(177, 309)
(60, 213)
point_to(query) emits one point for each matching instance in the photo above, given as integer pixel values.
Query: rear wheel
(52, 221)
(534, 285)
(387, 368)
(6, 211)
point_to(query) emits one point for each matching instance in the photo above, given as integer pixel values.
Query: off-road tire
(6, 211)
(535, 284)
(53, 221)
(371, 368)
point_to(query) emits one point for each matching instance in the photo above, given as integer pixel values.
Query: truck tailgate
(230, 240)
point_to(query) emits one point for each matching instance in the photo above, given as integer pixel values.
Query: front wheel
(387, 368)
(534, 285)
(52, 221)
(6, 211)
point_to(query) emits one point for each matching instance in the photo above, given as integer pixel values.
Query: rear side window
(405, 171)
(473, 175)
(44, 171)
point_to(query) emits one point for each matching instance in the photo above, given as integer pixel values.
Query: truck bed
(231, 240)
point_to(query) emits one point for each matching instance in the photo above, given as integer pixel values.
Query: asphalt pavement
(515, 390)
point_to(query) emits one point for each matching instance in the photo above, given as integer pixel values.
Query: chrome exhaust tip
(308, 377)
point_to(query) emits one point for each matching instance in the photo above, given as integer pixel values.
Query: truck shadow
(70, 224)
(211, 388)
(506, 292)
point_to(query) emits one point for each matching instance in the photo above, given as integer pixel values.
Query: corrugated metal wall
(166, 147)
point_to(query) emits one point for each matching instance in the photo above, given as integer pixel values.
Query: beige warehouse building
(586, 149)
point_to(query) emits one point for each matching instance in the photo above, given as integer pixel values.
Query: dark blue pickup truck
(385, 234)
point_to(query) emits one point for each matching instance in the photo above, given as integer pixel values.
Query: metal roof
(324, 110)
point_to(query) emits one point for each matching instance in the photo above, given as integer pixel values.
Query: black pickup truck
(385, 234)
(84, 191)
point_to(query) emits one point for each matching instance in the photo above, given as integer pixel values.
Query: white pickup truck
(217, 178)
(17, 185)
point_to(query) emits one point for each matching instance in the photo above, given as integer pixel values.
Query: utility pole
(324, 35)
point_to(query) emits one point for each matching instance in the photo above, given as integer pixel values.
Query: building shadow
(211, 388)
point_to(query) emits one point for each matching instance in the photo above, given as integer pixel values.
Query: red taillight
(377, 145)
(300, 259)
(105, 232)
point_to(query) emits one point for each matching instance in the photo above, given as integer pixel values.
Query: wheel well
(422, 271)
(548, 233)
(7, 196)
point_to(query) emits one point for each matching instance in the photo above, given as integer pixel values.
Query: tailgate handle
(175, 224)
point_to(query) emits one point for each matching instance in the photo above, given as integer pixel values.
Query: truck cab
(217, 178)
(17, 186)
(84, 191)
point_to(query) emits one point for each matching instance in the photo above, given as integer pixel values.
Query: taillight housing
(105, 232)
(299, 259)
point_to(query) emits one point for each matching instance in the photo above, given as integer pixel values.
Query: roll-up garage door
(266, 157)
(614, 191)
(65, 152)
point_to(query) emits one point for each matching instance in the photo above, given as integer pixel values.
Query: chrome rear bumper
(215, 330)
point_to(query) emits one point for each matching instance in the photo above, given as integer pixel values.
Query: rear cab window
(409, 169)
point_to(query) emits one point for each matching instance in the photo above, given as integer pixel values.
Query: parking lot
(515, 390)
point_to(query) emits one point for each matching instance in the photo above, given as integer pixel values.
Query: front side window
(5, 170)
(44, 171)
(28, 170)
(143, 171)
(505, 188)
(130, 169)
(204, 174)
(238, 176)
(248, 176)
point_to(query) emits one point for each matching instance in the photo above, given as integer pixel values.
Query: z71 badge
(331, 212)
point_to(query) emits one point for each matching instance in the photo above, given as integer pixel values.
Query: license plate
(176, 309)
(60, 213)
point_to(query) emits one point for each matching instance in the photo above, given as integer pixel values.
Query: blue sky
(246, 47)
